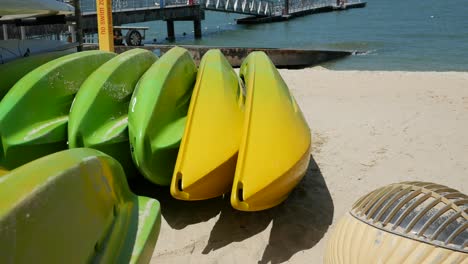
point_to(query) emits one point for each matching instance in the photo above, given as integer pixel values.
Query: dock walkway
(258, 11)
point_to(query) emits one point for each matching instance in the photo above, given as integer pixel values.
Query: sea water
(411, 35)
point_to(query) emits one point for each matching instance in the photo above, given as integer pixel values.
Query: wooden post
(170, 30)
(79, 30)
(105, 28)
(197, 28)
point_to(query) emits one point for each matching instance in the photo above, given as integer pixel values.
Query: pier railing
(129, 5)
(302, 5)
(247, 7)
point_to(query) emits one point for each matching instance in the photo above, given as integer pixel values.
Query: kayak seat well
(48, 131)
(171, 135)
(110, 132)
(32, 142)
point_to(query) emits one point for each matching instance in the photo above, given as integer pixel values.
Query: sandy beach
(369, 129)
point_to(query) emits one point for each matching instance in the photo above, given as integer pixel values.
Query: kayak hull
(13, 71)
(98, 117)
(275, 148)
(44, 201)
(157, 114)
(276, 192)
(207, 156)
(34, 113)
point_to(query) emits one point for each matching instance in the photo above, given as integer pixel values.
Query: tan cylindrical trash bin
(409, 222)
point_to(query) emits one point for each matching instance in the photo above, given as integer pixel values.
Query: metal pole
(23, 32)
(71, 29)
(5, 32)
(79, 30)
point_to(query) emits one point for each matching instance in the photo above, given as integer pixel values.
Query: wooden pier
(170, 11)
(259, 11)
(136, 15)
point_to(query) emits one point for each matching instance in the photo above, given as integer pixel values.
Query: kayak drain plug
(240, 192)
(179, 181)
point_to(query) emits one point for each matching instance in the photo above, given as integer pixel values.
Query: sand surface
(369, 129)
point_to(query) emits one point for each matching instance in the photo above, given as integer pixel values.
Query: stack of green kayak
(204, 132)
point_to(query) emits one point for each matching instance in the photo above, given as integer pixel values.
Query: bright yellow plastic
(275, 146)
(75, 206)
(207, 157)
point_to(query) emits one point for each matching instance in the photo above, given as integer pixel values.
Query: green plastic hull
(34, 113)
(98, 117)
(157, 114)
(13, 71)
(75, 206)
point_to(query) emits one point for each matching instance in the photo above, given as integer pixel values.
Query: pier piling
(170, 30)
(197, 28)
(78, 27)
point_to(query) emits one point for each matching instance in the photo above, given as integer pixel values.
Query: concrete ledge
(282, 58)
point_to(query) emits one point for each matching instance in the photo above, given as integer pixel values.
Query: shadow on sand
(298, 224)
(178, 214)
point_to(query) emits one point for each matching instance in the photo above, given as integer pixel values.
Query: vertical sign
(104, 17)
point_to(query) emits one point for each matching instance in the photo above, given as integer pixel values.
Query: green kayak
(157, 114)
(75, 205)
(98, 117)
(13, 71)
(34, 113)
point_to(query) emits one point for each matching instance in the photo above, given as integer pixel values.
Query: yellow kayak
(275, 148)
(207, 157)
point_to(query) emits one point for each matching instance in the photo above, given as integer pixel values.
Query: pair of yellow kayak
(253, 142)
